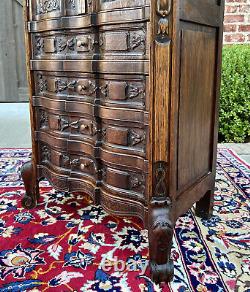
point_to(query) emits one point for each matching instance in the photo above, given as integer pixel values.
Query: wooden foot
(161, 227)
(162, 273)
(31, 184)
(204, 207)
(160, 241)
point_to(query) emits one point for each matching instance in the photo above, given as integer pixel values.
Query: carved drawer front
(64, 105)
(66, 163)
(62, 45)
(48, 9)
(124, 41)
(124, 182)
(116, 91)
(113, 42)
(83, 88)
(73, 127)
(129, 140)
(127, 92)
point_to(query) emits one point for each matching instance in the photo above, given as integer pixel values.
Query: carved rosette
(44, 119)
(45, 154)
(135, 138)
(136, 181)
(137, 40)
(39, 45)
(63, 124)
(42, 84)
(134, 91)
(72, 4)
(61, 85)
(46, 6)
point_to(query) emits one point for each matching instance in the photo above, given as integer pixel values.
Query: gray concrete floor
(14, 125)
(15, 130)
(243, 150)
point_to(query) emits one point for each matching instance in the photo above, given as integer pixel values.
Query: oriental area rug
(68, 244)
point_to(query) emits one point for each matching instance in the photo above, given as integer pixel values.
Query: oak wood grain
(124, 107)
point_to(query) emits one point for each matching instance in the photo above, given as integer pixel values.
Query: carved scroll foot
(160, 241)
(31, 197)
(204, 207)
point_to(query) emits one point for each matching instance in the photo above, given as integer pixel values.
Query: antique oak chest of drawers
(124, 98)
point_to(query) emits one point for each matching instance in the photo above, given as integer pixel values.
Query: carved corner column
(161, 222)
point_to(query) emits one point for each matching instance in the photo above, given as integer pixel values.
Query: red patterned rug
(64, 244)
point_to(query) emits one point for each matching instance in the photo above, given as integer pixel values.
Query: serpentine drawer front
(124, 101)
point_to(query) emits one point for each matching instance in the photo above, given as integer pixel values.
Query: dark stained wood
(204, 12)
(29, 201)
(204, 207)
(124, 108)
(196, 104)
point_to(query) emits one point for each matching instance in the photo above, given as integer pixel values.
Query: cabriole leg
(31, 184)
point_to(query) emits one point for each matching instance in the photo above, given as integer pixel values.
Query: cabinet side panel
(196, 103)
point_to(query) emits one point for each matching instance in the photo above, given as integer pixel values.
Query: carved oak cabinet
(123, 99)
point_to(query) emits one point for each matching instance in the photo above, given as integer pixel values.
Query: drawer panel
(125, 141)
(69, 86)
(65, 163)
(125, 115)
(49, 9)
(64, 105)
(124, 41)
(125, 138)
(114, 157)
(111, 90)
(66, 183)
(66, 144)
(78, 108)
(112, 42)
(110, 156)
(124, 183)
(92, 66)
(64, 45)
(130, 93)
(68, 126)
(58, 18)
